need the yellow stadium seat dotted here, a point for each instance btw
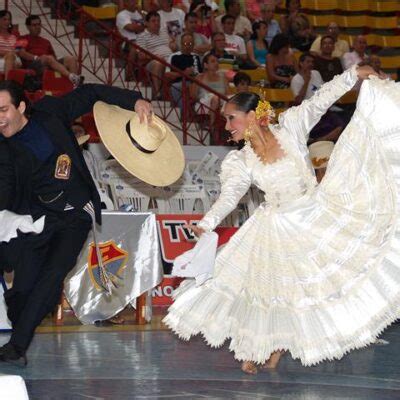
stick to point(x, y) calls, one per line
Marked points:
point(101, 12)
point(354, 5)
point(276, 95)
point(319, 5)
point(390, 62)
point(385, 6)
point(256, 74)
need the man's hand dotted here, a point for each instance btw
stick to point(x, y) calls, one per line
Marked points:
point(144, 109)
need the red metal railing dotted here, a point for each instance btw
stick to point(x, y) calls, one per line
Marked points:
point(97, 47)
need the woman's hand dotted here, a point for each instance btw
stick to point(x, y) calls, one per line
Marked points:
point(195, 229)
point(365, 71)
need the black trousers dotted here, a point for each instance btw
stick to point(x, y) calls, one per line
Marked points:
point(44, 260)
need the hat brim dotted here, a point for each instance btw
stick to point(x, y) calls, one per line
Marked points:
point(161, 168)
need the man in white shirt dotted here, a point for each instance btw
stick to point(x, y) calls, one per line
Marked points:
point(173, 19)
point(234, 43)
point(341, 46)
point(303, 85)
point(242, 24)
point(358, 55)
point(130, 23)
point(156, 41)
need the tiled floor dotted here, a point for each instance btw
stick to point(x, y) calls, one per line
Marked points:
point(126, 363)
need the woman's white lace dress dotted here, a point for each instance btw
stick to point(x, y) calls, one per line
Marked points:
point(316, 269)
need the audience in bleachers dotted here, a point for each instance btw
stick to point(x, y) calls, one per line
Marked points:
point(242, 23)
point(37, 53)
point(187, 61)
point(214, 79)
point(303, 85)
point(341, 46)
point(171, 18)
point(234, 44)
point(218, 45)
point(157, 42)
point(358, 55)
point(201, 43)
point(242, 82)
point(205, 18)
point(281, 63)
point(325, 63)
point(8, 43)
point(257, 46)
point(267, 15)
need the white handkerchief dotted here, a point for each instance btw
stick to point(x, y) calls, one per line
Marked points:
point(198, 262)
point(11, 222)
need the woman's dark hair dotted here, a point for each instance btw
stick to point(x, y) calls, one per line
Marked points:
point(287, 4)
point(279, 41)
point(3, 13)
point(241, 77)
point(195, 4)
point(245, 101)
point(16, 92)
point(255, 27)
point(207, 57)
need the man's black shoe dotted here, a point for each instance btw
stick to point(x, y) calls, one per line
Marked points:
point(8, 353)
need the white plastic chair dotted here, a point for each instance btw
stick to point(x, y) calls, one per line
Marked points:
point(185, 199)
point(129, 195)
point(105, 199)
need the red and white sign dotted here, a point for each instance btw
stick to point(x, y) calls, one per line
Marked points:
point(175, 240)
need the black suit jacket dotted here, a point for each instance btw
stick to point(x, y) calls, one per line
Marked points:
point(56, 115)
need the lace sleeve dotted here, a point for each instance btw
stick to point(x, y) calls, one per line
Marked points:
point(235, 182)
point(301, 119)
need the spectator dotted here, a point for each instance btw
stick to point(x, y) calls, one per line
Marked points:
point(303, 85)
point(171, 18)
point(325, 63)
point(234, 43)
point(292, 12)
point(267, 14)
point(186, 61)
point(281, 63)
point(205, 18)
point(8, 42)
point(156, 41)
point(254, 9)
point(340, 46)
point(218, 48)
point(130, 21)
point(358, 55)
point(201, 43)
point(242, 24)
point(37, 53)
point(217, 81)
point(257, 46)
point(242, 82)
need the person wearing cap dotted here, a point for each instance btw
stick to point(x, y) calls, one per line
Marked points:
point(43, 173)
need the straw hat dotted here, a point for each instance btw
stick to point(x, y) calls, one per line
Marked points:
point(151, 152)
point(320, 153)
point(83, 139)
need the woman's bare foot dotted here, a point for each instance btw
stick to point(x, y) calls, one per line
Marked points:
point(273, 361)
point(249, 367)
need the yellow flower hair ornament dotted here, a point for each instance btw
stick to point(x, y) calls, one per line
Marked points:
point(264, 113)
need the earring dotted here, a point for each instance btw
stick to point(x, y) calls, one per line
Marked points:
point(248, 133)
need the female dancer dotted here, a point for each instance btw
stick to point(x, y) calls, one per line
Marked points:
point(315, 270)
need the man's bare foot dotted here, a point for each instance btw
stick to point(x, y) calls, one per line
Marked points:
point(249, 367)
point(273, 361)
